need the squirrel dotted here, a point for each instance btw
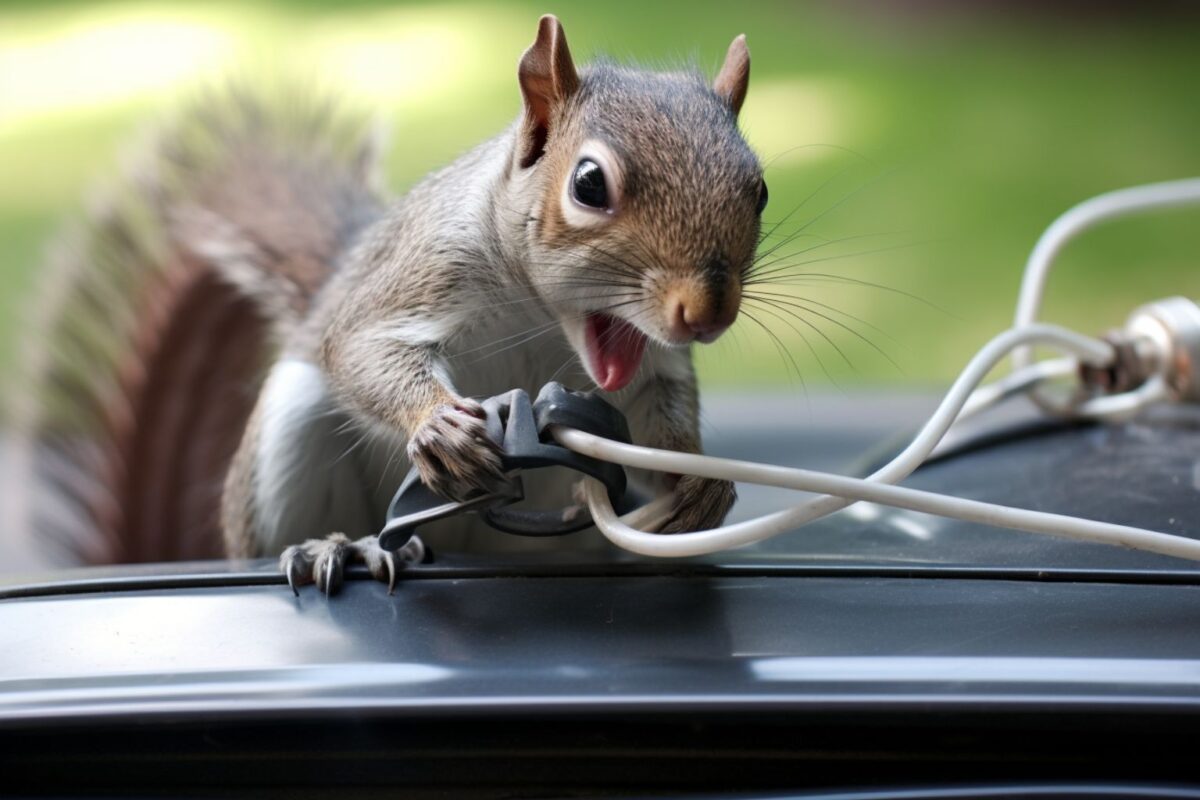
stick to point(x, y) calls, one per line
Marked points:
point(593, 241)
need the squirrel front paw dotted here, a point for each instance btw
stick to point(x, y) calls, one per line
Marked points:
point(453, 453)
point(700, 504)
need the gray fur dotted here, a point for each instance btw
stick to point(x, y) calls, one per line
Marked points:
point(480, 251)
point(475, 282)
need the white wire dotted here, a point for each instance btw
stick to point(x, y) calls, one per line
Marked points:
point(702, 542)
point(1019, 382)
point(1092, 351)
point(1088, 214)
point(837, 489)
point(964, 398)
point(1125, 405)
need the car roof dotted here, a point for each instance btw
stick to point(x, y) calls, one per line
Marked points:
point(725, 639)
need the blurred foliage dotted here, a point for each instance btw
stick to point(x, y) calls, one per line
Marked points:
point(921, 147)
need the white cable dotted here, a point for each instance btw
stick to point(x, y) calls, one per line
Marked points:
point(1019, 382)
point(840, 489)
point(964, 398)
point(1089, 350)
point(1125, 405)
point(703, 542)
point(1088, 214)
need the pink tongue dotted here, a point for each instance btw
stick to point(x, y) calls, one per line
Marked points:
point(615, 349)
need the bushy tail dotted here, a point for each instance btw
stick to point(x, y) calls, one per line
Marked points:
point(158, 313)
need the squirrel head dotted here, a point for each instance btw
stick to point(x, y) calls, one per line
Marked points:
point(643, 199)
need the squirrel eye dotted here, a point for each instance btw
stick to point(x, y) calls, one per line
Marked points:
point(588, 185)
point(762, 198)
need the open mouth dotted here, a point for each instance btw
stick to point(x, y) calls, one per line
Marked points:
point(614, 350)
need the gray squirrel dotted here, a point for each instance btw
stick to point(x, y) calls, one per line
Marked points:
point(592, 242)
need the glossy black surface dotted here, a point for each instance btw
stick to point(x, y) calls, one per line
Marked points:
point(568, 643)
point(873, 647)
point(580, 686)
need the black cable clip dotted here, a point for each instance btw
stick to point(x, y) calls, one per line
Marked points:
point(521, 429)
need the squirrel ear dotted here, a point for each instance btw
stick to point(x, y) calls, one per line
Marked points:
point(731, 82)
point(548, 78)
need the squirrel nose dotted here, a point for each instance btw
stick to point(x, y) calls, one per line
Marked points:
point(702, 306)
point(694, 320)
point(704, 327)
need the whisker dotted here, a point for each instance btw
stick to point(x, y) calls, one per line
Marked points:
point(780, 316)
point(808, 278)
point(836, 257)
point(770, 231)
point(783, 351)
point(570, 359)
point(533, 333)
point(758, 264)
point(844, 327)
point(792, 299)
point(575, 356)
point(849, 150)
point(634, 269)
point(822, 214)
point(492, 305)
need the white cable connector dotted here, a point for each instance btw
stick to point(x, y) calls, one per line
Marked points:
point(1169, 334)
point(1163, 337)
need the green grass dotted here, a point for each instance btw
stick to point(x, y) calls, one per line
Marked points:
point(962, 139)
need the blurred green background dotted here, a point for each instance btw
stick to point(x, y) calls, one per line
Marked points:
point(929, 142)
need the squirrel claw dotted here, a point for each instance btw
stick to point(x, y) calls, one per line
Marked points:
point(452, 451)
point(323, 561)
point(293, 576)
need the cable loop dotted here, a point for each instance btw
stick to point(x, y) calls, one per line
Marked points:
point(1118, 378)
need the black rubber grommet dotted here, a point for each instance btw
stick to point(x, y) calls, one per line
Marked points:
point(521, 430)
